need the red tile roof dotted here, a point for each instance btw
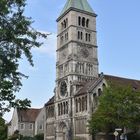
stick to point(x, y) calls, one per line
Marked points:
point(28, 115)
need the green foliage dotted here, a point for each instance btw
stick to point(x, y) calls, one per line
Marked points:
point(133, 136)
point(17, 38)
point(27, 138)
point(3, 129)
point(39, 137)
point(13, 137)
point(118, 107)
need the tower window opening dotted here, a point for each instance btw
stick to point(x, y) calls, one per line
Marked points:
point(79, 21)
point(87, 23)
point(61, 39)
point(81, 35)
point(86, 36)
point(83, 22)
point(89, 37)
point(65, 24)
point(78, 35)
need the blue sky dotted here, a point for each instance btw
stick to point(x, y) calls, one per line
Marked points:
point(118, 35)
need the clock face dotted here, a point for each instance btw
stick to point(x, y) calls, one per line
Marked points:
point(63, 88)
point(84, 52)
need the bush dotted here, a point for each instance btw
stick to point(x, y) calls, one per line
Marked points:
point(133, 136)
point(39, 137)
point(27, 138)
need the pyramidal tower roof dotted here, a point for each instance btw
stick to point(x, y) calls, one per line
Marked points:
point(80, 5)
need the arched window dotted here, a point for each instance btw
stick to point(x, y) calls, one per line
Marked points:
point(61, 109)
point(81, 35)
point(83, 103)
point(78, 35)
point(87, 23)
point(99, 92)
point(66, 107)
point(95, 100)
point(86, 103)
point(58, 109)
point(79, 21)
point(76, 102)
point(89, 37)
point(80, 105)
point(86, 36)
point(83, 22)
point(83, 68)
point(66, 22)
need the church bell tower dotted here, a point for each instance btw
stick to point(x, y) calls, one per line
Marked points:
point(77, 60)
point(68, 111)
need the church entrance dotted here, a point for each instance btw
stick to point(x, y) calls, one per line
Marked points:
point(63, 132)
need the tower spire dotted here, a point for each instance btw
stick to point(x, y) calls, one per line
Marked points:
point(80, 5)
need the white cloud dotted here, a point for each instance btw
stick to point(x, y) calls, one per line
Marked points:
point(49, 45)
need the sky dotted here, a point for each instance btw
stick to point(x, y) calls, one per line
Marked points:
point(118, 37)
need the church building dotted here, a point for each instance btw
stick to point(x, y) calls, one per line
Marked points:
point(78, 82)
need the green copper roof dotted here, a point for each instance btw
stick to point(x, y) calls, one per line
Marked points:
point(77, 4)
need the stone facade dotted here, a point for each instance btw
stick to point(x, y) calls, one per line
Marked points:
point(78, 83)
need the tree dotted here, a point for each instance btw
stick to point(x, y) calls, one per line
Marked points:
point(17, 38)
point(3, 129)
point(119, 107)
